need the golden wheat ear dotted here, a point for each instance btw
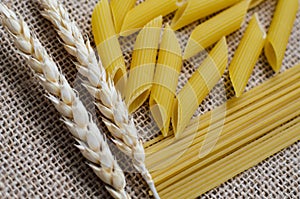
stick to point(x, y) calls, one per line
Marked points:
point(91, 142)
point(108, 99)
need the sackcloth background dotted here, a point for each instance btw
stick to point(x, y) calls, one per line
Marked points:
point(37, 154)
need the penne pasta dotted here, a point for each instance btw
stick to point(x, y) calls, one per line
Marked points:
point(143, 64)
point(108, 45)
point(255, 3)
point(119, 9)
point(193, 10)
point(215, 28)
point(137, 17)
point(247, 55)
point(198, 86)
point(279, 32)
point(165, 80)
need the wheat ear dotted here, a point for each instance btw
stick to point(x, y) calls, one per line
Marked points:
point(108, 100)
point(91, 142)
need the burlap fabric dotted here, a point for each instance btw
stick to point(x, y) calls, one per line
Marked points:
point(37, 156)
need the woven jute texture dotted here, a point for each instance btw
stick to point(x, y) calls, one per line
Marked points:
point(37, 154)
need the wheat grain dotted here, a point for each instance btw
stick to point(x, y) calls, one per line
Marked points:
point(91, 142)
point(108, 100)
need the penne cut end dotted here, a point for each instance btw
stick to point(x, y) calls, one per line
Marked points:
point(246, 55)
point(119, 10)
point(140, 15)
point(198, 86)
point(255, 3)
point(220, 25)
point(165, 80)
point(279, 32)
point(107, 43)
point(143, 64)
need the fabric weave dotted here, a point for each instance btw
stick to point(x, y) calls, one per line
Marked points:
point(37, 155)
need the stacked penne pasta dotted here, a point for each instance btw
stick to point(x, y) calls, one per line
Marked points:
point(157, 60)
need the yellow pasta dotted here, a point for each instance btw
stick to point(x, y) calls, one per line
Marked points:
point(108, 45)
point(215, 28)
point(255, 3)
point(119, 9)
point(143, 64)
point(279, 32)
point(137, 17)
point(165, 80)
point(198, 86)
point(247, 55)
point(193, 10)
point(255, 117)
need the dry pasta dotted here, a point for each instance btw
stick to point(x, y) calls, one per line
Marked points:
point(247, 55)
point(255, 3)
point(262, 111)
point(119, 9)
point(143, 64)
point(221, 25)
point(193, 10)
point(279, 32)
point(198, 86)
point(165, 79)
point(108, 45)
point(137, 17)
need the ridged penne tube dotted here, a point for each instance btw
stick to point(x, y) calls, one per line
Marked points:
point(193, 10)
point(137, 17)
point(255, 3)
point(119, 9)
point(143, 64)
point(107, 43)
point(215, 28)
point(279, 32)
point(198, 86)
point(165, 80)
point(247, 55)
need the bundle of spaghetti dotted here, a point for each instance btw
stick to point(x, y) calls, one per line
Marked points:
point(165, 79)
point(279, 32)
point(220, 25)
point(232, 132)
point(236, 107)
point(119, 9)
point(143, 64)
point(140, 15)
point(198, 86)
point(246, 55)
point(248, 118)
point(236, 162)
point(107, 44)
point(91, 142)
point(193, 10)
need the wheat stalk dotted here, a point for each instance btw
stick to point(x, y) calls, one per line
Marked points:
point(108, 100)
point(91, 142)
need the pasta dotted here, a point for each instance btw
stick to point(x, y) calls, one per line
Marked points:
point(255, 3)
point(279, 32)
point(143, 64)
point(193, 10)
point(221, 25)
point(108, 45)
point(247, 55)
point(137, 17)
point(198, 86)
point(259, 112)
point(119, 9)
point(165, 80)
